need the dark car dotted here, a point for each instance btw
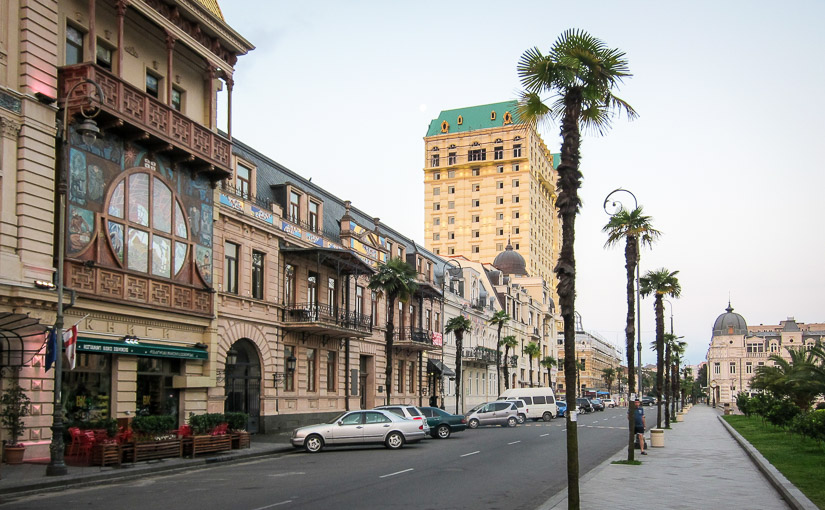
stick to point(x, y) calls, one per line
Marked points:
point(562, 406)
point(443, 424)
point(597, 403)
point(584, 405)
point(648, 401)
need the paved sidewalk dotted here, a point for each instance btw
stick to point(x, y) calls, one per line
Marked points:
point(700, 466)
point(31, 475)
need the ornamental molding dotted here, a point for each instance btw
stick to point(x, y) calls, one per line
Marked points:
point(9, 128)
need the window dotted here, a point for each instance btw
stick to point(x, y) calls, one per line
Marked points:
point(289, 380)
point(312, 288)
point(242, 178)
point(435, 160)
point(500, 232)
point(498, 152)
point(257, 275)
point(152, 85)
point(451, 174)
point(374, 308)
point(312, 369)
point(732, 367)
point(411, 378)
point(516, 215)
point(500, 216)
point(451, 158)
point(436, 236)
point(451, 190)
point(748, 367)
point(451, 205)
point(331, 301)
point(500, 169)
point(756, 347)
point(177, 99)
point(294, 207)
point(313, 216)
point(451, 250)
point(476, 218)
point(716, 368)
point(774, 347)
point(515, 183)
point(500, 184)
point(515, 199)
point(515, 168)
point(74, 45)
point(476, 187)
point(476, 233)
point(515, 230)
point(450, 235)
point(331, 372)
point(477, 155)
point(437, 324)
point(499, 247)
point(451, 220)
point(517, 150)
point(499, 200)
point(289, 284)
point(104, 56)
point(437, 176)
point(436, 191)
point(230, 278)
point(359, 300)
point(476, 203)
point(437, 206)
point(476, 249)
point(400, 370)
point(476, 172)
point(437, 221)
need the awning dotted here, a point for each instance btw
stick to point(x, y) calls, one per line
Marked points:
point(441, 368)
point(21, 337)
point(139, 349)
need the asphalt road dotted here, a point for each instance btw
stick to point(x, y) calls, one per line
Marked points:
point(488, 468)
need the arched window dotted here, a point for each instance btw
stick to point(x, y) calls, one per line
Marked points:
point(146, 226)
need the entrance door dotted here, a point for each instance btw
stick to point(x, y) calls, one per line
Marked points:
point(243, 384)
point(362, 381)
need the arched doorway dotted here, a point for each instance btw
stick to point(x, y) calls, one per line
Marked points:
point(243, 383)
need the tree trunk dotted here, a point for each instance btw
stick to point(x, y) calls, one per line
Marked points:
point(667, 385)
point(660, 356)
point(498, 361)
point(389, 341)
point(631, 251)
point(507, 367)
point(459, 342)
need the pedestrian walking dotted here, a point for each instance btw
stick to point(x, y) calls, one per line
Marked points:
point(639, 415)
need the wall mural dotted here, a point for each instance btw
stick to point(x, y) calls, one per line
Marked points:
point(133, 210)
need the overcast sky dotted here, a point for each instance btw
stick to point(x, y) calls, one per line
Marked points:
point(726, 155)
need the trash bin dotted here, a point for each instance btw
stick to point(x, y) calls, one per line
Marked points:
point(680, 417)
point(727, 408)
point(657, 438)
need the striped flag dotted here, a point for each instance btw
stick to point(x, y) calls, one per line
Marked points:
point(70, 342)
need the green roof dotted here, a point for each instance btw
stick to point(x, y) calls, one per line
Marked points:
point(556, 159)
point(473, 118)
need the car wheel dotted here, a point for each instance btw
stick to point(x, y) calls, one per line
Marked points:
point(395, 440)
point(521, 419)
point(512, 421)
point(547, 416)
point(443, 431)
point(473, 424)
point(313, 444)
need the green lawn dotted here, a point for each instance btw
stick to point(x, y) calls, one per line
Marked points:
point(798, 458)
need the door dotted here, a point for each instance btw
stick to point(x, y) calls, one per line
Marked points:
point(376, 426)
point(243, 384)
point(349, 429)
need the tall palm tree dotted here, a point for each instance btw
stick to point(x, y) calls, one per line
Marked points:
point(637, 230)
point(660, 283)
point(677, 349)
point(798, 379)
point(609, 375)
point(458, 325)
point(499, 319)
point(580, 74)
point(396, 280)
point(532, 350)
point(509, 342)
point(549, 362)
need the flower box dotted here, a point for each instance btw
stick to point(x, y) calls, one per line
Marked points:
point(104, 454)
point(240, 440)
point(195, 445)
point(152, 450)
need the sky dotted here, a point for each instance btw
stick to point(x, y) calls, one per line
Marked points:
point(724, 155)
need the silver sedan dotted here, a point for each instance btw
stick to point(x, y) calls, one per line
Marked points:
point(360, 427)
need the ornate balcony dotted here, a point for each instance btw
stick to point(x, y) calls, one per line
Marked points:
point(138, 116)
point(479, 354)
point(320, 319)
point(415, 339)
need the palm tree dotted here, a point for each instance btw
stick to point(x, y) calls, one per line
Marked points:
point(636, 229)
point(458, 325)
point(609, 375)
point(509, 342)
point(580, 74)
point(396, 280)
point(677, 349)
point(549, 362)
point(579, 368)
point(660, 283)
point(499, 319)
point(532, 350)
point(799, 379)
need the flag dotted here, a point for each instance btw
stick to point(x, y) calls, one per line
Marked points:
point(70, 342)
point(51, 350)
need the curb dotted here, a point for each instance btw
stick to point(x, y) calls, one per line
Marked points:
point(562, 494)
point(793, 496)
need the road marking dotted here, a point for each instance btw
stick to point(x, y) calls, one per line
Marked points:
point(471, 453)
point(544, 435)
point(274, 505)
point(605, 419)
point(514, 442)
point(396, 473)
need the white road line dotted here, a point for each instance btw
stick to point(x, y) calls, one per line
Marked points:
point(471, 453)
point(396, 473)
point(514, 442)
point(544, 435)
point(605, 419)
point(274, 505)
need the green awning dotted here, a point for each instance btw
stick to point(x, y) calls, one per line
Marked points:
point(139, 349)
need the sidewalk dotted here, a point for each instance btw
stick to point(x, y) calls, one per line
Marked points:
point(31, 475)
point(701, 466)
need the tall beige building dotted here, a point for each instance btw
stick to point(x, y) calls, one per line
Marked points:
point(489, 181)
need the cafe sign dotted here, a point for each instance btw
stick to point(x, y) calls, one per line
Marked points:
point(139, 349)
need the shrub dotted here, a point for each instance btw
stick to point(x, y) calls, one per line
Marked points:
point(811, 425)
point(14, 406)
point(743, 402)
point(204, 423)
point(237, 421)
point(782, 412)
point(153, 426)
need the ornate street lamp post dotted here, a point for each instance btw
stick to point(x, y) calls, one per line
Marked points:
point(614, 208)
point(89, 131)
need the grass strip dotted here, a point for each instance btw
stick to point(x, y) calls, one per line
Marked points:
point(798, 458)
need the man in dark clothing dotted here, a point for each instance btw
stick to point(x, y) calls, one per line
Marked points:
point(639, 426)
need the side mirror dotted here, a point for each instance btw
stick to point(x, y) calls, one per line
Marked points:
point(340, 423)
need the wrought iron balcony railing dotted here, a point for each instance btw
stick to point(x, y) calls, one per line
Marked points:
point(414, 335)
point(327, 315)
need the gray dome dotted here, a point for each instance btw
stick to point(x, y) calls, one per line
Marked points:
point(510, 262)
point(730, 324)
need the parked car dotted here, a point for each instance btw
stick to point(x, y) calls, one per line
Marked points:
point(411, 412)
point(648, 401)
point(523, 410)
point(499, 412)
point(584, 405)
point(597, 404)
point(360, 427)
point(562, 407)
point(541, 402)
point(443, 424)
point(609, 402)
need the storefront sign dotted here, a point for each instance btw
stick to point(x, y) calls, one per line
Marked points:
point(139, 349)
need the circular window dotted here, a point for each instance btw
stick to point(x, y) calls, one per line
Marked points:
point(508, 119)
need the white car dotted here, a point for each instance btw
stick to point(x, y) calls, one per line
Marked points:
point(609, 402)
point(410, 412)
point(360, 427)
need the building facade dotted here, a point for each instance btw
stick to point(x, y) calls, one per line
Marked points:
point(736, 350)
point(490, 181)
point(594, 354)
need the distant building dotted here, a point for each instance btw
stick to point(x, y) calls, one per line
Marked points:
point(737, 350)
point(595, 354)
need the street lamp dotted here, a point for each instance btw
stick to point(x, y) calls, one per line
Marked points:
point(89, 132)
point(615, 207)
point(457, 274)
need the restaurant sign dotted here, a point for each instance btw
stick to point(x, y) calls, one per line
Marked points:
point(139, 349)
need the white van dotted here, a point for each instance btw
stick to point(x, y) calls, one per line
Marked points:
point(541, 402)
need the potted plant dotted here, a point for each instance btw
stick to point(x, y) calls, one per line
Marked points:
point(14, 405)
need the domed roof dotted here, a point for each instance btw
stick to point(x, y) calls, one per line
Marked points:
point(730, 324)
point(510, 262)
